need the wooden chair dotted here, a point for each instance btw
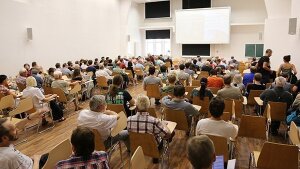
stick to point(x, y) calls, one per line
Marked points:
point(196, 83)
point(214, 90)
point(47, 90)
point(276, 111)
point(153, 91)
point(252, 94)
point(168, 64)
point(139, 72)
point(21, 86)
point(129, 73)
point(183, 82)
point(99, 142)
point(238, 109)
point(64, 77)
point(7, 102)
point(204, 74)
point(268, 85)
point(275, 156)
point(203, 103)
point(253, 127)
point(189, 90)
point(62, 98)
point(221, 146)
point(61, 152)
point(177, 116)
point(152, 112)
point(137, 160)
point(23, 106)
point(102, 82)
point(294, 134)
point(116, 107)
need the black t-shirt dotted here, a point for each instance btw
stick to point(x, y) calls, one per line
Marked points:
point(252, 86)
point(122, 97)
point(260, 65)
point(298, 86)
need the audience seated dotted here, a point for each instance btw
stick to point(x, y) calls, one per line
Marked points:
point(4, 87)
point(256, 85)
point(214, 80)
point(84, 154)
point(206, 67)
point(102, 72)
point(163, 75)
point(248, 77)
point(188, 69)
point(182, 75)
point(237, 82)
point(38, 78)
point(201, 146)
point(49, 78)
point(169, 89)
point(65, 70)
point(215, 125)
point(202, 91)
point(102, 120)
point(152, 79)
point(180, 103)
point(21, 79)
point(287, 86)
point(229, 92)
point(117, 95)
point(27, 67)
point(76, 76)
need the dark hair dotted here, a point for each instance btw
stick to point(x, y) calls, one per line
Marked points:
point(171, 78)
point(216, 107)
point(195, 61)
point(227, 79)
point(51, 70)
point(26, 64)
point(76, 73)
point(2, 78)
point(90, 62)
point(257, 77)
point(268, 50)
point(116, 82)
point(83, 141)
point(64, 65)
point(33, 64)
point(3, 130)
point(203, 83)
point(129, 65)
point(151, 70)
point(213, 72)
point(84, 61)
point(252, 69)
point(163, 69)
point(57, 65)
point(181, 66)
point(187, 65)
point(70, 63)
point(179, 91)
point(287, 58)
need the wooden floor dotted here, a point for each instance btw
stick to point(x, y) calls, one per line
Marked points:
point(43, 143)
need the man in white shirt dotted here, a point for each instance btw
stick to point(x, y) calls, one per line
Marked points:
point(102, 72)
point(215, 125)
point(102, 120)
point(10, 158)
point(106, 69)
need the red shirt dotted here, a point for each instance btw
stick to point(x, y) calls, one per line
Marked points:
point(215, 81)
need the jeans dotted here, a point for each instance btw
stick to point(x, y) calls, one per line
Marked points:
point(122, 136)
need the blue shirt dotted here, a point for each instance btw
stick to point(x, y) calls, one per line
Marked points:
point(248, 78)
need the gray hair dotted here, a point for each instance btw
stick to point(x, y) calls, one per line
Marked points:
point(97, 101)
point(57, 74)
point(101, 66)
point(280, 81)
point(23, 70)
point(142, 103)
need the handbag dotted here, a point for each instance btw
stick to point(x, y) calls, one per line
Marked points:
point(295, 117)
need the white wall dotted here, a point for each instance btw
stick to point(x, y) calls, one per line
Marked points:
point(62, 30)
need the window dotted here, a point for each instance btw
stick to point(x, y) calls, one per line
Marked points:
point(254, 50)
point(158, 46)
point(159, 9)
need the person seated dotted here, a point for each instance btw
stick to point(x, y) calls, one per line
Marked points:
point(256, 85)
point(66, 71)
point(27, 67)
point(214, 80)
point(49, 78)
point(130, 67)
point(169, 89)
point(140, 65)
point(254, 61)
point(202, 91)
point(84, 154)
point(84, 65)
point(188, 69)
point(277, 95)
point(106, 68)
point(38, 78)
point(163, 75)
point(180, 103)
point(248, 77)
point(102, 120)
point(102, 72)
point(21, 79)
point(206, 67)
point(142, 122)
point(229, 92)
point(76, 76)
point(10, 157)
point(237, 82)
point(38, 98)
point(4, 90)
point(183, 76)
point(117, 95)
point(152, 79)
point(215, 125)
point(64, 85)
point(232, 70)
point(287, 86)
point(201, 146)
point(117, 69)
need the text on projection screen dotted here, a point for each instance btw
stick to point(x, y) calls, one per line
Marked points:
point(203, 26)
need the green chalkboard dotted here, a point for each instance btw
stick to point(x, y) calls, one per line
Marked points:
point(250, 50)
point(259, 50)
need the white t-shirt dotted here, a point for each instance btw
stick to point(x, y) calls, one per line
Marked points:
point(216, 127)
point(10, 158)
point(97, 120)
point(36, 95)
point(103, 73)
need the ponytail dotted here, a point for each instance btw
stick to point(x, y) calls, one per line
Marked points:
point(202, 91)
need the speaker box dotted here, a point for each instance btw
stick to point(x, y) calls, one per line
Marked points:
point(292, 26)
point(29, 34)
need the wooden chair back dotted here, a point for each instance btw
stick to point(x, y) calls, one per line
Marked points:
point(129, 73)
point(99, 143)
point(278, 156)
point(90, 74)
point(168, 64)
point(115, 73)
point(121, 124)
point(229, 106)
point(116, 107)
point(102, 81)
point(61, 95)
point(277, 111)
point(189, 90)
point(21, 86)
point(153, 91)
point(294, 134)
point(203, 103)
point(152, 112)
point(23, 106)
point(64, 77)
point(183, 82)
point(7, 102)
point(214, 90)
point(139, 71)
point(146, 141)
point(253, 127)
point(1, 95)
point(61, 152)
point(221, 146)
point(137, 160)
point(47, 90)
point(75, 89)
point(204, 74)
point(196, 83)
point(177, 116)
point(252, 94)
point(239, 108)
point(268, 85)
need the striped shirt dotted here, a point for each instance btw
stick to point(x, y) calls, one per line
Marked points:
point(142, 122)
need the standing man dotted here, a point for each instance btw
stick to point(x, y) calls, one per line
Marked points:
point(263, 67)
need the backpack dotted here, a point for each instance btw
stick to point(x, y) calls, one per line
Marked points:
point(295, 117)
